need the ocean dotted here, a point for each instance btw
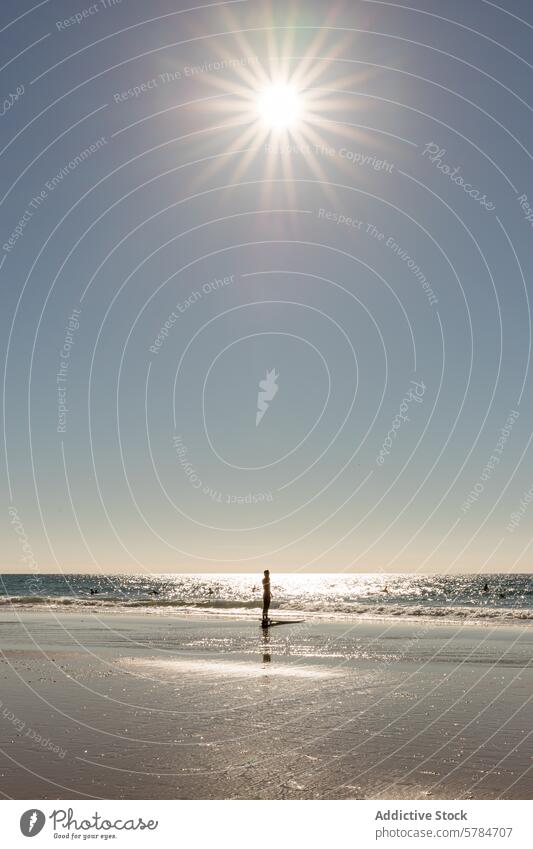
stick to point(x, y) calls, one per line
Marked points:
point(507, 598)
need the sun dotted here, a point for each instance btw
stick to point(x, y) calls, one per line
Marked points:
point(282, 111)
point(279, 106)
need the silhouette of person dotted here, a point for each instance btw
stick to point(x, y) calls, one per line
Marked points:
point(93, 591)
point(266, 597)
point(486, 588)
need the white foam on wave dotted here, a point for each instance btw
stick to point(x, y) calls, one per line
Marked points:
point(250, 609)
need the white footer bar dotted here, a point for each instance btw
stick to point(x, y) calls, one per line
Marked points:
point(263, 824)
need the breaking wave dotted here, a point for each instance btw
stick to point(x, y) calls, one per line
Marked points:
point(244, 609)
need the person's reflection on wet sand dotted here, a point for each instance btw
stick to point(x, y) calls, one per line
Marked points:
point(267, 657)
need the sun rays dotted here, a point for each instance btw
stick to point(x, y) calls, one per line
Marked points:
point(283, 109)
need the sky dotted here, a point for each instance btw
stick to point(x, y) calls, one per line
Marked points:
point(265, 275)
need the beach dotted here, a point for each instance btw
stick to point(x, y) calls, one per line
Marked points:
point(132, 705)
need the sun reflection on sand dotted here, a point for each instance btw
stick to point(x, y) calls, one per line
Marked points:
point(227, 668)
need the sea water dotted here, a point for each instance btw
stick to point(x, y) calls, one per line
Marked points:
point(497, 597)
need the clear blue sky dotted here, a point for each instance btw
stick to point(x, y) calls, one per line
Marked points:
point(163, 250)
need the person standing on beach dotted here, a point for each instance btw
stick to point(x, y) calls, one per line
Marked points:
point(266, 595)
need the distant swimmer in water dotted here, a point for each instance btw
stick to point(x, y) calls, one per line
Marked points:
point(93, 591)
point(486, 588)
point(154, 592)
point(210, 591)
point(385, 589)
point(501, 595)
point(266, 596)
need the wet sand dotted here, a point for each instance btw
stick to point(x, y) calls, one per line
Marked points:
point(154, 706)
